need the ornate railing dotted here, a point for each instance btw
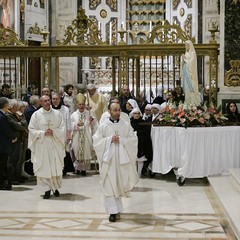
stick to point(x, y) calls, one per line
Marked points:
point(82, 39)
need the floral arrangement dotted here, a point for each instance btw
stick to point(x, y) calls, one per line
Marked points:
point(190, 116)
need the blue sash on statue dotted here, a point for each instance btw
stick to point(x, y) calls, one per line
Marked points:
point(185, 73)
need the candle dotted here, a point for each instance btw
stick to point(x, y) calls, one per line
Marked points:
point(122, 25)
point(150, 27)
point(99, 27)
point(110, 32)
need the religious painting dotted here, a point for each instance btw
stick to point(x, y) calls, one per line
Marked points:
point(7, 13)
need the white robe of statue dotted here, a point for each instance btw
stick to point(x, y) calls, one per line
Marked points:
point(189, 76)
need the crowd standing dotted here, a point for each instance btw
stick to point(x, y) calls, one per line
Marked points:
point(67, 131)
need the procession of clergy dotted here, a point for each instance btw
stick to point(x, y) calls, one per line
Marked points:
point(67, 132)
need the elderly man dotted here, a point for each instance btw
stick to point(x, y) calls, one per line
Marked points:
point(96, 102)
point(46, 91)
point(6, 140)
point(115, 144)
point(34, 104)
point(19, 131)
point(46, 141)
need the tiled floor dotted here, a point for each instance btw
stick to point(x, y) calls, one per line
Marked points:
point(157, 209)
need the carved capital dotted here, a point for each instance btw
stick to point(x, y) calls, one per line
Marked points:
point(232, 77)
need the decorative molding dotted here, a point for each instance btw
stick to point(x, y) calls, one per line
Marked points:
point(9, 37)
point(93, 4)
point(113, 5)
point(167, 33)
point(232, 77)
point(188, 25)
point(188, 3)
point(34, 30)
point(175, 4)
point(22, 10)
point(82, 31)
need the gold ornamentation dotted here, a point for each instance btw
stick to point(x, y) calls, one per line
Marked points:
point(213, 28)
point(103, 13)
point(9, 37)
point(232, 77)
point(188, 3)
point(34, 30)
point(83, 31)
point(188, 25)
point(93, 4)
point(175, 4)
point(44, 33)
point(22, 10)
point(112, 4)
point(182, 12)
point(80, 98)
point(167, 33)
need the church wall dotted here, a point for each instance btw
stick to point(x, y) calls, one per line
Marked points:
point(36, 14)
point(228, 92)
point(66, 11)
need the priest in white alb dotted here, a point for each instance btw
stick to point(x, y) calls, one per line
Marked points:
point(47, 144)
point(115, 144)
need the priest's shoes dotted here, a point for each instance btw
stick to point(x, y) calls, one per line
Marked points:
point(181, 180)
point(83, 173)
point(6, 187)
point(56, 193)
point(113, 218)
point(47, 195)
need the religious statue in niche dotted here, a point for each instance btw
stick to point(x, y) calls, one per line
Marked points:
point(7, 13)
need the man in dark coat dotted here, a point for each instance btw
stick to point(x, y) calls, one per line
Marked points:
point(34, 104)
point(6, 140)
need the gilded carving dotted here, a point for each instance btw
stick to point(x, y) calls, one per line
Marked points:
point(182, 12)
point(103, 13)
point(82, 31)
point(175, 4)
point(93, 4)
point(188, 3)
point(188, 25)
point(9, 37)
point(232, 77)
point(34, 30)
point(167, 33)
point(112, 4)
point(22, 10)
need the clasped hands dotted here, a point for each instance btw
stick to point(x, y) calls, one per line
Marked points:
point(49, 132)
point(115, 139)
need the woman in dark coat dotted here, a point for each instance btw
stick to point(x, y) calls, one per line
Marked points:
point(232, 113)
point(144, 139)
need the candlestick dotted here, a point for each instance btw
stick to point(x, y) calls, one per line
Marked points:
point(110, 33)
point(99, 27)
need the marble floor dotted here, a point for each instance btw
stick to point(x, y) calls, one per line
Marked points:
point(157, 209)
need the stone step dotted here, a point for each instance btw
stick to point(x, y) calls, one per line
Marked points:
point(235, 174)
point(227, 188)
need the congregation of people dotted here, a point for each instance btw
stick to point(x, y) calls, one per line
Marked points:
point(47, 135)
point(68, 131)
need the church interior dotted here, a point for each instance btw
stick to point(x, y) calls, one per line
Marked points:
point(138, 43)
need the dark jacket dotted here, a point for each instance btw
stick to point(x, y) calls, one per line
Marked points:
point(6, 134)
point(29, 112)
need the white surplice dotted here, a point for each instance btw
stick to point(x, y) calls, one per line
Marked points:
point(117, 162)
point(47, 152)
